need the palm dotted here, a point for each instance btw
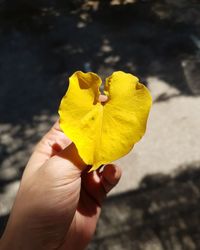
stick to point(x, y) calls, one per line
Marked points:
point(88, 191)
point(59, 202)
point(84, 222)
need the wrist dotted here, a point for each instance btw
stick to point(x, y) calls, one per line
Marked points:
point(7, 243)
point(11, 238)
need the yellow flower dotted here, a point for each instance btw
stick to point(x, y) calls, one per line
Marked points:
point(103, 133)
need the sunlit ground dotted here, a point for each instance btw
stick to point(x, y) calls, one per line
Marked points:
point(155, 205)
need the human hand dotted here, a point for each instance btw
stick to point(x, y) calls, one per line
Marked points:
point(58, 203)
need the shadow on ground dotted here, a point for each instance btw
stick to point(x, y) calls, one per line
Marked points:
point(41, 45)
point(162, 214)
point(43, 42)
point(3, 222)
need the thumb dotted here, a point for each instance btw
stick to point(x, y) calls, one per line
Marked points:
point(66, 162)
point(70, 154)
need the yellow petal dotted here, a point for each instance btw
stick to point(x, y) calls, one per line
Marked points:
point(78, 112)
point(103, 133)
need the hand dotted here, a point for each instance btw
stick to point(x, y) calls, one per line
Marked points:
point(58, 202)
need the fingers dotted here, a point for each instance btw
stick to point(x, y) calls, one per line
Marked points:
point(51, 143)
point(110, 177)
point(103, 98)
point(98, 184)
point(54, 140)
point(56, 126)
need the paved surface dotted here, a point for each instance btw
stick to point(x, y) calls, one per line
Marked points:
point(171, 139)
point(162, 174)
point(157, 40)
point(161, 214)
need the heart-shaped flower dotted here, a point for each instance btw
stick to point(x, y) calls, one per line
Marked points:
point(104, 132)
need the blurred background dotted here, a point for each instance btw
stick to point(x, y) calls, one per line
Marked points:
point(156, 204)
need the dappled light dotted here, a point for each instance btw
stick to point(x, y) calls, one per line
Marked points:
point(43, 42)
point(162, 213)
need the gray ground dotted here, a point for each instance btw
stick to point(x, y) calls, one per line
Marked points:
point(156, 204)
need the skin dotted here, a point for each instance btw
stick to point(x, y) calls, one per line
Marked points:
point(58, 203)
